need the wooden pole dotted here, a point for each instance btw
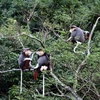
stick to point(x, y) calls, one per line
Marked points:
point(21, 81)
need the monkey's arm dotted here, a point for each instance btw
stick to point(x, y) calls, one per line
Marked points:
point(31, 56)
point(20, 59)
point(36, 66)
point(27, 59)
point(69, 39)
point(73, 34)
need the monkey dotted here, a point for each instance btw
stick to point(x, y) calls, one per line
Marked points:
point(77, 36)
point(43, 62)
point(25, 59)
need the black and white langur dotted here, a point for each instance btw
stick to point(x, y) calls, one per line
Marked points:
point(77, 36)
point(25, 59)
point(43, 63)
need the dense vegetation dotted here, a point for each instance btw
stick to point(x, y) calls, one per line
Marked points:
point(45, 24)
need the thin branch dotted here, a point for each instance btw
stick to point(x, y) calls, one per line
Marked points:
point(57, 35)
point(57, 94)
point(65, 86)
point(20, 41)
point(62, 95)
point(29, 35)
point(96, 91)
point(77, 71)
point(32, 13)
point(19, 38)
point(37, 91)
point(86, 92)
point(59, 90)
point(46, 32)
point(84, 84)
point(15, 70)
point(34, 38)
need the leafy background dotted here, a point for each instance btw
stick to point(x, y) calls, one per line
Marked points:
point(49, 18)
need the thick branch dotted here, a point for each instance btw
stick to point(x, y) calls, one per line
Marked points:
point(88, 52)
point(91, 35)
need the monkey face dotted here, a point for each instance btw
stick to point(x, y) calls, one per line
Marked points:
point(28, 53)
point(71, 30)
point(40, 53)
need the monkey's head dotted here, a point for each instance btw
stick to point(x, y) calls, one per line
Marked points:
point(72, 28)
point(27, 52)
point(40, 52)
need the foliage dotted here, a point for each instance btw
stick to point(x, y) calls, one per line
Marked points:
point(50, 19)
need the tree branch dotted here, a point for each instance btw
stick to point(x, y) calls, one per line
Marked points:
point(29, 35)
point(34, 38)
point(88, 50)
point(18, 33)
point(86, 92)
point(67, 87)
point(62, 95)
point(57, 35)
point(15, 70)
point(32, 13)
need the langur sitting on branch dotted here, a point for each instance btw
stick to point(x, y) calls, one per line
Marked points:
point(77, 36)
point(25, 59)
point(43, 63)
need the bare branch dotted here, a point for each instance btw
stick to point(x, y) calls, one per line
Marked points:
point(65, 86)
point(32, 13)
point(20, 41)
point(96, 91)
point(18, 33)
point(57, 94)
point(34, 38)
point(62, 95)
point(58, 35)
point(88, 50)
point(59, 90)
point(29, 35)
point(15, 70)
point(86, 92)
point(37, 91)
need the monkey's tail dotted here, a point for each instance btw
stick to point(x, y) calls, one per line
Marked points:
point(35, 75)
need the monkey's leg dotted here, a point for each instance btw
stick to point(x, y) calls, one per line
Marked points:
point(77, 44)
point(43, 84)
point(21, 82)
